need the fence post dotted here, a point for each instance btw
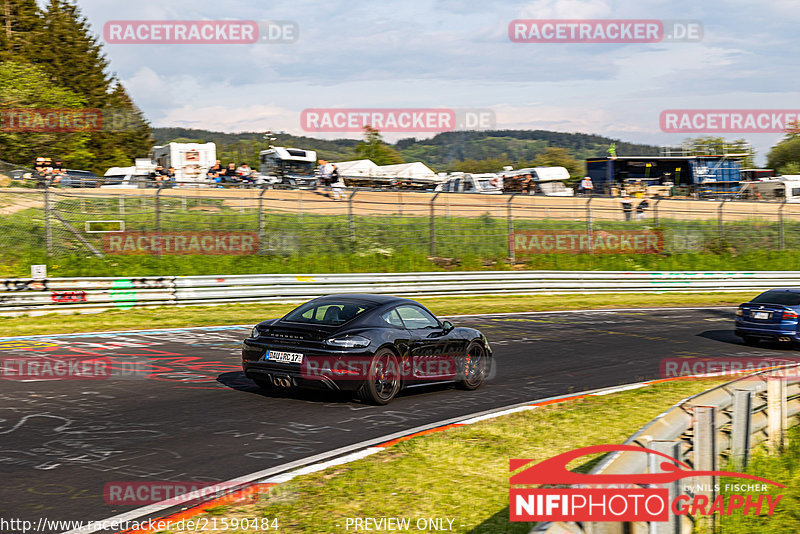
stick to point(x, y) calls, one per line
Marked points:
point(432, 237)
point(48, 224)
point(673, 450)
point(720, 228)
point(260, 220)
point(158, 217)
point(589, 218)
point(776, 412)
point(781, 241)
point(655, 211)
point(705, 457)
point(740, 427)
point(511, 254)
point(351, 218)
point(122, 204)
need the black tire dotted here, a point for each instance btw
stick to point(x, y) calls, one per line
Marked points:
point(473, 368)
point(264, 384)
point(750, 340)
point(383, 379)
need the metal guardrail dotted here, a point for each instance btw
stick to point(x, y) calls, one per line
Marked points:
point(18, 295)
point(722, 422)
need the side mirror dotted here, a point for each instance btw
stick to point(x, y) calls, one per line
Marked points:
point(447, 326)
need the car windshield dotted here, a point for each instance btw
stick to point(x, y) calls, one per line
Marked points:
point(327, 313)
point(784, 298)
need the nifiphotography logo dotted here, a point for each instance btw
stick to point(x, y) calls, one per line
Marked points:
point(624, 501)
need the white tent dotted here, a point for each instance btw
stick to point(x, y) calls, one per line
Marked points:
point(416, 170)
point(359, 167)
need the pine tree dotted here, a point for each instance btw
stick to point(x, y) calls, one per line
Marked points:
point(20, 20)
point(70, 53)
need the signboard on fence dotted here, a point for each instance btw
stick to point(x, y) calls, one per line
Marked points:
point(174, 243)
point(583, 242)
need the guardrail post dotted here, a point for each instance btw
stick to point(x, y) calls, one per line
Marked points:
point(511, 254)
point(261, 226)
point(741, 423)
point(776, 412)
point(48, 224)
point(705, 457)
point(673, 450)
point(781, 241)
point(351, 220)
point(432, 223)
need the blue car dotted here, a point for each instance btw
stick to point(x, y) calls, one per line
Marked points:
point(771, 316)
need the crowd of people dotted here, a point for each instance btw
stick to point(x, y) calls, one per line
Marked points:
point(231, 174)
point(48, 169)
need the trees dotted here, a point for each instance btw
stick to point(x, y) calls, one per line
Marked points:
point(375, 149)
point(785, 156)
point(59, 44)
point(27, 86)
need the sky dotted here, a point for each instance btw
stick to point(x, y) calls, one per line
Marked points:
point(458, 55)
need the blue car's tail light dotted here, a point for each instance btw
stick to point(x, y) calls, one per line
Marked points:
point(349, 342)
point(789, 314)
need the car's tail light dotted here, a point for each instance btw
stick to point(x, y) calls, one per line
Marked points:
point(739, 312)
point(349, 342)
point(788, 314)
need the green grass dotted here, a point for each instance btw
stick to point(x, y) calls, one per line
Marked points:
point(169, 317)
point(303, 243)
point(461, 473)
point(783, 468)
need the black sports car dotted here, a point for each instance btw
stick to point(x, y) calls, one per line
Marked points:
point(372, 345)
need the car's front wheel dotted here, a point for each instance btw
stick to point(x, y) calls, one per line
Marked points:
point(383, 379)
point(474, 367)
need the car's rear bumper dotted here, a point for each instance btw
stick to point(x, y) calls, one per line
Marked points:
point(335, 369)
point(767, 332)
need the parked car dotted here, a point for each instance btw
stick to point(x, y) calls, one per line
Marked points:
point(372, 345)
point(487, 183)
point(77, 178)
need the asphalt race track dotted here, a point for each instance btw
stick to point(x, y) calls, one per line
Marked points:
point(194, 417)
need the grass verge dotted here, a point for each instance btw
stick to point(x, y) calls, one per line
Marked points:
point(461, 473)
point(176, 317)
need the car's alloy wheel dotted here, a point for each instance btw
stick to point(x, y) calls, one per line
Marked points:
point(383, 379)
point(474, 367)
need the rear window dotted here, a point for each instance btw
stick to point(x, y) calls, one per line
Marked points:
point(326, 313)
point(784, 298)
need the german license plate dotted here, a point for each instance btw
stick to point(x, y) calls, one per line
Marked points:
point(760, 315)
point(283, 357)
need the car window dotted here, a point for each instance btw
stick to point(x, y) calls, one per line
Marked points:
point(328, 313)
point(415, 317)
point(391, 317)
point(785, 298)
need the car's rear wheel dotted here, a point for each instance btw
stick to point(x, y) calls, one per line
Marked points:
point(383, 379)
point(473, 367)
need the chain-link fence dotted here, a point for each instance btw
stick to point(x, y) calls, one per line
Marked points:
point(43, 225)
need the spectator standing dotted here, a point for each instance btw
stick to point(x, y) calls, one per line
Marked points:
point(337, 184)
point(587, 186)
point(641, 209)
point(627, 207)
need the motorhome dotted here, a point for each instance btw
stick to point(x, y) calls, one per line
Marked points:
point(190, 160)
point(486, 183)
point(782, 189)
point(291, 167)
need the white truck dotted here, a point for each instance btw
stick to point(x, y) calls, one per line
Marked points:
point(459, 182)
point(288, 167)
point(132, 177)
point(190, 160)
point(548, 181)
